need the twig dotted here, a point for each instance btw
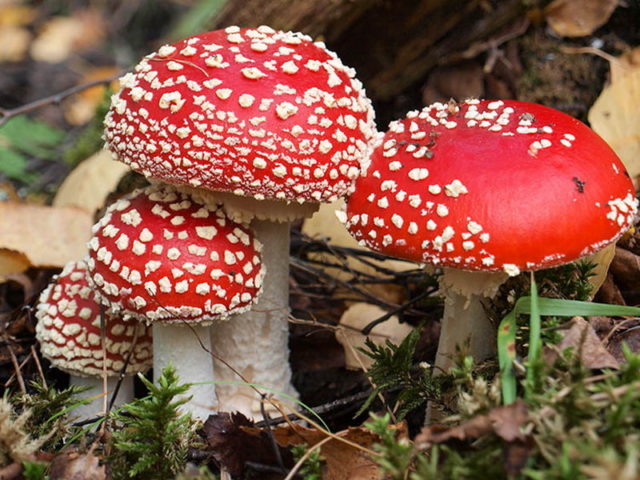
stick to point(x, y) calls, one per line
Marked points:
point(38, 366)
point(272, 439)
point(8, 113)
point(13, 375)
point(16, 367)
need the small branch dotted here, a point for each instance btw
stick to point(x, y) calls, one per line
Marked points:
point(7, 113)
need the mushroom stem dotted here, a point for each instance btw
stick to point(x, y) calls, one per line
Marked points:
point(256, 343)
point(95, 407)
point(188, 349)
point(464, 319)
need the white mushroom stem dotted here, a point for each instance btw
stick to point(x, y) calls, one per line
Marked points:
point(96, 406)
point(255, 343)
point(188, 349)
point(465, 320)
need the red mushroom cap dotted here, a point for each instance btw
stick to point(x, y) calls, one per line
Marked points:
point(255, 112)
point(159, 255)
point(491, 185)
point(68, 329)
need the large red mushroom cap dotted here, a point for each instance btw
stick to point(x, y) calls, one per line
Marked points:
point(255, 112)
point(493, 186)
point(68, 330)
point(159, 255)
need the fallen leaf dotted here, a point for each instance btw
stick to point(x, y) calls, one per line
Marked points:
point(234, 442)
point(15, 15)
point(459, 81)
point(76, 466)
point(582, 338)
point(342, 461)
point(506, 422)
point(324, 224)
point(62, 36)
point(354, 319)
point(578, 18)
point(602, 260)
point(46, 236)
point(12, 262)
point(615, 116)
point(89, 184)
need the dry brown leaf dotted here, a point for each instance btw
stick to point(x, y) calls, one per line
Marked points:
point(625, 63)
point(62, 36)
point(47, 236)
point(325, 224)
point(615, 116)
point(582, 338)
point(76, 466)
point(89, 184)
point(354, 319)
point(577, 18)
point(343, 462)
point(506, 422)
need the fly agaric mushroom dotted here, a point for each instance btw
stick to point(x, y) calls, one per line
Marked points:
point(271, 121)
point(161, 257)
point(69, 334)
point(486, 189)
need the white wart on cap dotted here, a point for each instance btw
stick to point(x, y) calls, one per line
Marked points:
point(68, 330)
point(158, 255)
point(253, 112)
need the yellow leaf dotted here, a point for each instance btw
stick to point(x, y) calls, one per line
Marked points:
point(615, 116)
point(88, 185)
point(46, 236)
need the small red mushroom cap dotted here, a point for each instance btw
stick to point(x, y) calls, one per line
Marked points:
point(256, 112)
point(493, 186)
point(160, 255)
point(68, 329)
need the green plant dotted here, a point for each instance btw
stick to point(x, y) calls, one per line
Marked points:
point(153, 439)
point(311, 469)
point(34, 470)
point(50, 410)
point(393, 370)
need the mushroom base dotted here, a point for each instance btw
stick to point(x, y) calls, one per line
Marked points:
point(188, 349)
point(256, 344)
point(465, 322)
point(96, 406)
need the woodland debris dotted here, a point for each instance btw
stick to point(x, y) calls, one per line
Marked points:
point(578, 18)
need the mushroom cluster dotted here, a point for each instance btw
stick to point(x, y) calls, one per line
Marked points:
point(486, 189)
point(270, 124)
point(70, 336)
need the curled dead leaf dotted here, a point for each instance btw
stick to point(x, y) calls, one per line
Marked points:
point(577, 18)
point(72, 465)
point(46, 236)
point(89, 184)
point(342, 461)
point(582, 338)
point(506, 422)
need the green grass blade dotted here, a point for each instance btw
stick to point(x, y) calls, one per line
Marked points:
point(533, 366)
point(506, 356)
